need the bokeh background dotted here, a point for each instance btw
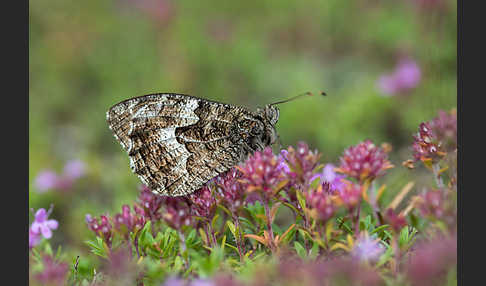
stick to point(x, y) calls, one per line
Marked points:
point(386, 65)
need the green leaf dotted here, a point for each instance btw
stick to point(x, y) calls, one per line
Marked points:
point(300, 249)
point(301, 200)
point(379, 229)
point(231, 227)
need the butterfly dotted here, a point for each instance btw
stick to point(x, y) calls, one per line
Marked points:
point(176, 143)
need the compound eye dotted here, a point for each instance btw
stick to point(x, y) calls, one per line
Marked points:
point(256, 130)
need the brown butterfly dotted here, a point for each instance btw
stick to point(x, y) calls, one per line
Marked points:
point(177, 143)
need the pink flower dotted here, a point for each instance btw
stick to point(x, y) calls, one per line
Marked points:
point(367, 249)
point(177, 212)
point(350, 195)
point(74, 169)
point(301, 162)
point(203, 203)
point(364, 161)
point(128, 221)
point(102, 227)
point(53, 273)
point(261, 173)
point(42, 225)
point(329, 175)
point(406, 76)
point(34, 238)
point(230, 190)
point(321, 203)
point(151, 203)
point(46, 180)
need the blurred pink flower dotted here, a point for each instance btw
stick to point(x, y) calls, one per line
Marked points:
point(42, 225)
point(49, 179)
point(53, 273)
point(34, 238)
point(74, 169)
point(46, 180)
point(203, 203)
point(367, 249)
point(406, 76)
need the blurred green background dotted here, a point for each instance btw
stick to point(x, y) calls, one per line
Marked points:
point(86, 56)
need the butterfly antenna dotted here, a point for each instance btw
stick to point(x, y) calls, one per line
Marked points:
point(298, 96)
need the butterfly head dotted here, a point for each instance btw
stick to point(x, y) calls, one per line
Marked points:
point(267, 135)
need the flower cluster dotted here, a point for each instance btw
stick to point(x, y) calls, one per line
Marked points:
point(444, 128)
point(49, 179)
point(230, 191)
point(404, 78)
point(350, 195)
point(41, 227)
point(425, 145)
point(364, 161)
point(436, 137)
point(151, 204)
point(261, 173)
point(127, 222)
point(321, 203)
point(430, 261)
point(177, 212)
point(301, 162)
point(102, 227)
point(203, 203)
point(53, 273)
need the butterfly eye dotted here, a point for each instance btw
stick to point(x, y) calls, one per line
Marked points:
point(256, 130)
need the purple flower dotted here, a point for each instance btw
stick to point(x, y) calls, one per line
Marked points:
point(444, 128)
point(34, 238)
point(151, 203)
point(175, 281)
point(53, 273)
point(329, 175)
point(130, 222)
point(74, 169)
point(301, 162)
point(396, 221)
point(177, 212)
point(101, 227)
point(229, 190)
point(49, 179)
point(406, 76)
point(42, 225)
point(46, 180)
point(425, 145)
point(320, 202)
point(367, 249)
point(203, 203)
point(364, 161)
point(261, 173)
point(431, 203)
point(350, 195)
point(430, 262)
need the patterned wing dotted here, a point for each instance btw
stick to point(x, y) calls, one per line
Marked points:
point(176, 143)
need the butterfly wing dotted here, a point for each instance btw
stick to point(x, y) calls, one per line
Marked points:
point(176, 143)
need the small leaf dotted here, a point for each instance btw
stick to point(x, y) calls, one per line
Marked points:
point(301, 200)
point(258, 238)
point(339, 245)
point(231, 227)
point(299, 249)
